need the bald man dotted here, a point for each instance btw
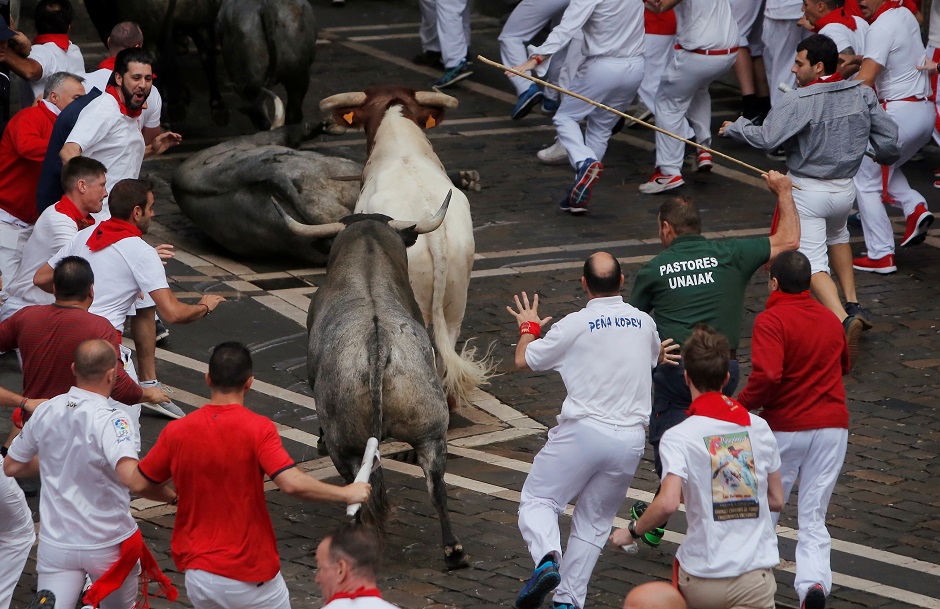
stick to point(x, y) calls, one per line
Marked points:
point(605, 354)
point(654, 595)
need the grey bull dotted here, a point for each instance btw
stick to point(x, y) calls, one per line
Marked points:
point(227, 191)
point(370, 362)
point(265, 42)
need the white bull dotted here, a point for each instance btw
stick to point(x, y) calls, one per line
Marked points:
point(403, 178)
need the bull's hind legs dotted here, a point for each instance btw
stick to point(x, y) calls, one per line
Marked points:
point(433, 459)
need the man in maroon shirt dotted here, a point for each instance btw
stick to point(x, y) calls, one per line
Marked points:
point(48, 335)
point(797, 382)
point(22, 149)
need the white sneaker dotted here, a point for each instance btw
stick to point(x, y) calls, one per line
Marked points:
point(167, 409)
point(661, 182)
point(554, 154)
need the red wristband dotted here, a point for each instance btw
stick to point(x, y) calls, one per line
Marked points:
point(530, 327)
point(18, 418)
point(538, 62)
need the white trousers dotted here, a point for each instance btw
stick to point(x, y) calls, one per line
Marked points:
point(610, 80)
point(525, 21)
point(683, 101)
point(594, 462)
point(934, 54)
point(133, 410)
point(780, 38)
point(746, 14)
point(453, 30)
point(62, 572)
point(815, 457)
point(823, 207)
point(657, 51)
point(915, 122)
point(17, 535)
point(12, 240)
point(210, 591)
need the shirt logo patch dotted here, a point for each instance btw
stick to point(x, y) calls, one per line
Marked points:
point(122, 427)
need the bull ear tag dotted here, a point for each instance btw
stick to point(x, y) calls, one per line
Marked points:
point(430, 122)
point(349, 117)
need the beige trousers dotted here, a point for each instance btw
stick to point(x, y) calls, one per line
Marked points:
point(751, 590)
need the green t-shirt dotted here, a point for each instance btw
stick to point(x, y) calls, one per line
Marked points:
point(699, 280)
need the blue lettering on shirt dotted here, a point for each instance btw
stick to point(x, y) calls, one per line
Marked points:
point(602, 323)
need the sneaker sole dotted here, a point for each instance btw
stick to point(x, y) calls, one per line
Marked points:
point(524, 110)
point(582, 190)
point(161, 410)
point(658, 188)
point(881, 271)
point(455, 79)
point(853, 334)
point(704, 167)
point(536, 596)
point(43, 598)
point(920, 232)
point(162, 335)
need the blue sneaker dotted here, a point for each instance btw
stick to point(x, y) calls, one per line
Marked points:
point(544, 579)
point(557, 605)
point(452, 75)
point(527, 101)
point(550, 106)
point(587, 175)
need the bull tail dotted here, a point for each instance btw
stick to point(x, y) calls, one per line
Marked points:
point(462, 372)
point(376, 509)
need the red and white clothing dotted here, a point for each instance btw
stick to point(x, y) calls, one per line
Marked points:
point(524, 23)
point(108, 135)
point(847, 31)
point(56, 227)
point(730, 528)
point(749, 15)
point(359, 602)
point(893, 42)
point(604, 353)
point(658, 43)
point(84, 509)
point(707, 41)
point(22, 150)
point(933, 52)
point(131, 266)
point(211, 591)
point(149, 117)
point(218, 457)
point(55, 53)
point(17, 535)
point(797, 382)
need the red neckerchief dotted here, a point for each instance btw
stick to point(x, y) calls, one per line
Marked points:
point(110, 232)
point(356, 594)
point(836, 77)
point(133, 549)
point(60, 40)
point(107, 64)
point(777, 296)
point(887, 6)
point(837, 16)
point(114, 93)
point(66, 207)
point(716, 405)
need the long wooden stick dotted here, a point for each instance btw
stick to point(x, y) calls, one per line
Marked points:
point(496, 64)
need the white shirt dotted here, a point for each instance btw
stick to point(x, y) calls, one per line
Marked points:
point(705, 24)
point(893, 41)
point(933, 30)
point(784, 9)
point(16, 518)
point(50, 234)
point(122, 271)
point(79, 439)
point(150, 117)
point(604, 353)
point(53, 59)
point(362, 602)
point(845, 38)
point(111, 138)
point(612, 28)
point(730, 529)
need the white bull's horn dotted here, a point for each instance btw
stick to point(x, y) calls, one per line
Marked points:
point(343, 100)
point(309, 231)
point(438, 100)
point(279, 114)
point(428, 224)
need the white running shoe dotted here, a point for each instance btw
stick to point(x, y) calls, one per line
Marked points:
point(554, 154)
point(167, 409)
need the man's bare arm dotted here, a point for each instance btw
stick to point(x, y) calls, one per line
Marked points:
point(69, 151)
point(787, 236)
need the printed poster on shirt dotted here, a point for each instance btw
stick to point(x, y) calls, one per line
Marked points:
point(734, 478)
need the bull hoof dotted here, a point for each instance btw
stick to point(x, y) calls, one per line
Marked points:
point(331, 127)
point(466, 180)
point(454, 557)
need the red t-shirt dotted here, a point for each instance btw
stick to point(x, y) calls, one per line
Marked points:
point(22, 150)
point(797, 373)
point(217, 458)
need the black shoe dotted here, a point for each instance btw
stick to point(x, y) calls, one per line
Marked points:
point(544, 579)
point(44, 599)
point(429, 58)
point(858, 312)
point(853, 332)
point(778, 154)
point(651, 538)
point(162, 330)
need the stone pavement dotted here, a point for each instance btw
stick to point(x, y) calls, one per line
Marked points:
point(884, 515)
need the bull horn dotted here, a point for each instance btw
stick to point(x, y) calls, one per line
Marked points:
point(343, 100)
point(309, 231)
point(279, 114)
point(428, 224)
point(433, 98)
